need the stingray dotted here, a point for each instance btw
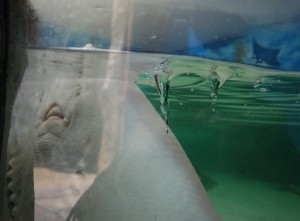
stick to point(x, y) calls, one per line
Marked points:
point(95, 120)
point(67, 127)
point(150, 177)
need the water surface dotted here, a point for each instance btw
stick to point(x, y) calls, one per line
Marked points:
point(239, 126)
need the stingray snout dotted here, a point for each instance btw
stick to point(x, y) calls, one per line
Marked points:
point(54, 112)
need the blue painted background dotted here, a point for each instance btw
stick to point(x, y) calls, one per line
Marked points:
point(210, 34)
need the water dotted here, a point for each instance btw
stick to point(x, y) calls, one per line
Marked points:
point(239, 126)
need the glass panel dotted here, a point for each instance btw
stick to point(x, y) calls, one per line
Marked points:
point(137, 110)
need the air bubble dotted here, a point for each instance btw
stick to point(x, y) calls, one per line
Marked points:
point(163, 84)
point(263, 89)
point(257, 83)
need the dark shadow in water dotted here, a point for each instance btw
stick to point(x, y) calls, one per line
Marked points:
point(207, 181)
point(291, 188)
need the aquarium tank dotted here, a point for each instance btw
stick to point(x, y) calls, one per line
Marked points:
point(135, 110)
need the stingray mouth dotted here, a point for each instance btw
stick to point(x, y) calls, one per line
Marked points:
point(53, 121)
point(54, 113)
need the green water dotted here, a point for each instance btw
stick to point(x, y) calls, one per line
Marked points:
point(235, 120)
